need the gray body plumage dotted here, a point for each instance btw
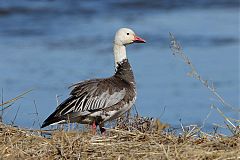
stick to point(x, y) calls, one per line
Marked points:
point(98, 100)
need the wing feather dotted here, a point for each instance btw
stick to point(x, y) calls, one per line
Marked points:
point(90, 96)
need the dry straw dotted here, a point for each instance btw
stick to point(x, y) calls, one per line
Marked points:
point(16, 143)
point(232, 124)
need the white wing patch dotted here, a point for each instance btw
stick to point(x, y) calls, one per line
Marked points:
point(90, 103)
point(110, 115)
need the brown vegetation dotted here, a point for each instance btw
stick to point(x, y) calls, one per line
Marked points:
point(19, 143)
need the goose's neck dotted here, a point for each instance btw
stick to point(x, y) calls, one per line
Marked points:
point(119, 54)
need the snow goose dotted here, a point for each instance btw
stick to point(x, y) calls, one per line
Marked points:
point(96, 101)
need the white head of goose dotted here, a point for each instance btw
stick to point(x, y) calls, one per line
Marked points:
point(96, 101)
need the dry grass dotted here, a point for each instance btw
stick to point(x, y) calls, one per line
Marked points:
point(231, 123)
point(19, 143)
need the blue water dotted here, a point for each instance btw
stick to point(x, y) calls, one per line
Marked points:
point(49, 45)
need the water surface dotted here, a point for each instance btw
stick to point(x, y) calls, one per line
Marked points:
point(49, 45)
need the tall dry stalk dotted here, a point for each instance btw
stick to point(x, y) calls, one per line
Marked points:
point(9, 103)
point(177, 50)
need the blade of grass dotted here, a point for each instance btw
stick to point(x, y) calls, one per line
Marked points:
point(16, 98)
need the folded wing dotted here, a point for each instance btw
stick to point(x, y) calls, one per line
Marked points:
point(88, 97)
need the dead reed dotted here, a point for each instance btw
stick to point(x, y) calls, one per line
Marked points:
point(232, 124)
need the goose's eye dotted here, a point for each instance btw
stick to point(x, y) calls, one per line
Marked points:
point(127, 33)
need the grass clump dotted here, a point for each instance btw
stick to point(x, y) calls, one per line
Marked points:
point(18, 143)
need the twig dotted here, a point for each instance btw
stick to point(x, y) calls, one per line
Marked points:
point(135, 107)
point(124, 132)
point(208, 115)
point(180, 120)
point(177, 50)
point(225, 117)
point(16, 98)
point(164, 150)
point(15, 115)
point(36, 112)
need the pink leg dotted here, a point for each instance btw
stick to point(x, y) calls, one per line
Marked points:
point(94, 128)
